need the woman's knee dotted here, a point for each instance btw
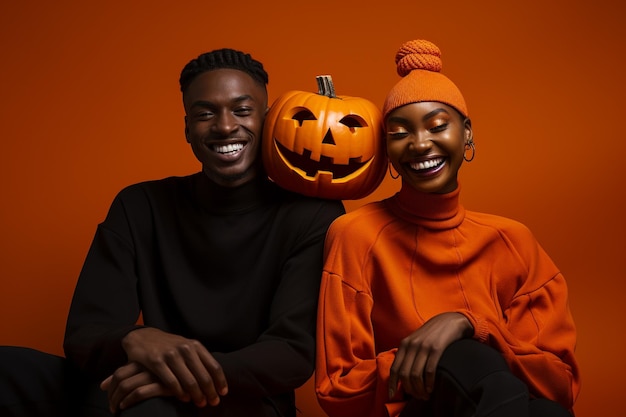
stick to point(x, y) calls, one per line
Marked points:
point(542, 407)
point(478, 379)
point(469, 360)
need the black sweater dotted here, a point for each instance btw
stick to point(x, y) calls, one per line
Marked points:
point(236, 268)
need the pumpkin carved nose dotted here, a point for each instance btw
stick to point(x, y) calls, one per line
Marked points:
point(328, 138)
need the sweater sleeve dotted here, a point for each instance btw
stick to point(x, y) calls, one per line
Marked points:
point(105, 305)
point(351, 378)
point(536, 333)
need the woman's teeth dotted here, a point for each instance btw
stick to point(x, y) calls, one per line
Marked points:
point(427, 164)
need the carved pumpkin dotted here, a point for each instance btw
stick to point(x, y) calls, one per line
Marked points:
point(323, 145)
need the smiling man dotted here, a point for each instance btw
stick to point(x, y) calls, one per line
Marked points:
point(225, 109)
point(223, 266)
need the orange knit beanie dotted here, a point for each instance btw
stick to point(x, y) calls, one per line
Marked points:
point(419, 63)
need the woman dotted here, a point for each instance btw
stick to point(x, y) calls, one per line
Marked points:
point(427, 309)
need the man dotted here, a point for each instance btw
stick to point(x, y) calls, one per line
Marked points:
point(222, 265)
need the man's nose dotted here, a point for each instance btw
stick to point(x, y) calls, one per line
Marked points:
point(224, 123)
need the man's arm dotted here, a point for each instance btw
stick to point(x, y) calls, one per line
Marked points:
point(105, 305)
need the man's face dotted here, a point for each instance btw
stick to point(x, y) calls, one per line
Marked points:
point(224, 114)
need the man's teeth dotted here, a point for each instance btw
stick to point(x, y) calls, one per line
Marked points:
point(230, 148)
point(427, 164)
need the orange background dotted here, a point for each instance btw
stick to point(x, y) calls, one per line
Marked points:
point(90, 103)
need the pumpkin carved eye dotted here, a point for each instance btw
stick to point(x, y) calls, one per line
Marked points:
point(352, 121)
point(303, 114)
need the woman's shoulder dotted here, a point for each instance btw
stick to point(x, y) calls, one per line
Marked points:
point(361, 224)
point(503, 225)
point(363, 215)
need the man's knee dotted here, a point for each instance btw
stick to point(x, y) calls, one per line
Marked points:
point(159, 407)
point(32, 383)
point(28, 372)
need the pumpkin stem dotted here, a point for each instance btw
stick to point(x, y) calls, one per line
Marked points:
point(325, 86)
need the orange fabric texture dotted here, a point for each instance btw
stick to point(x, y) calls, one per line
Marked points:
point(418, 63)
point(392, 265)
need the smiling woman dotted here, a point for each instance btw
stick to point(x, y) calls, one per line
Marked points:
point(427, 309)
point(90, 103)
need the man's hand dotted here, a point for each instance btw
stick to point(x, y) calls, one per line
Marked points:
point(415, 364)
point(183, 367)
point(131, 384)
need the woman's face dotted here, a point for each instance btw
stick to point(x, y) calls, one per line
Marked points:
point(425, 144)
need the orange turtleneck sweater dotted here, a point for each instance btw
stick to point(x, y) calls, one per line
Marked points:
point(392, 265)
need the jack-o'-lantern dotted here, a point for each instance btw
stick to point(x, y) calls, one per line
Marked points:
point(323, 145)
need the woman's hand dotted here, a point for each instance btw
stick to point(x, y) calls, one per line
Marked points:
point(182, 367)
point(415, 364)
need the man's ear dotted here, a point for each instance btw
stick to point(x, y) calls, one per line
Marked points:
point(186, 130)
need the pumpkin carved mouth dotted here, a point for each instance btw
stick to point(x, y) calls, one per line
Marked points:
point(311, 167)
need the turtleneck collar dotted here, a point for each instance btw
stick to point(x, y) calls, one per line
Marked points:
point(434, 211)
point(219, 199)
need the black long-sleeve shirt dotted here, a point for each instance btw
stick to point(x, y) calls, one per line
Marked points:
point(236, 268)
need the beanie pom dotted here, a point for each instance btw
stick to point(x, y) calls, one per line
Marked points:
point(418, 54)
point(418, 62)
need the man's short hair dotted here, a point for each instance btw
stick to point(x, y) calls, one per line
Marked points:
point(220, 59)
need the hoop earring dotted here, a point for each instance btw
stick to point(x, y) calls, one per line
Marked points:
point(469, 146)
point(395, 177)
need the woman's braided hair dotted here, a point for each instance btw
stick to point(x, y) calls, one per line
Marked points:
point(219, 59)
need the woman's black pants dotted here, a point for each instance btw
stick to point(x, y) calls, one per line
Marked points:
point(473, 380)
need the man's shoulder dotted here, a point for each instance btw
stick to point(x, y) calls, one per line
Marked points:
point(301, 211)
point(157, 186)
point(303, 202)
